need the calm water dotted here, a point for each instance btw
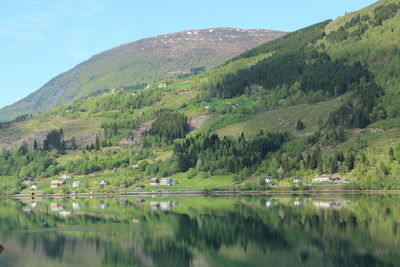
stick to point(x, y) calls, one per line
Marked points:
point(202, 231)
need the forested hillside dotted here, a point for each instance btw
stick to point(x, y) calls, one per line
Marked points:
point(321, 100)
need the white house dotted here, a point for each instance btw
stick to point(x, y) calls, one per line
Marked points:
point(298, 180)
point(168, 181)
point(322, 179)
point(104, 182)
point(268, 180)
point(34, 187)
point(76, 184)
point(66, 177)
point(163, 85)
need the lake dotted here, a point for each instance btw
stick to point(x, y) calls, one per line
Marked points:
point(202, 231)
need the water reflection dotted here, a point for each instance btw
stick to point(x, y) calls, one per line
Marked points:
point(278, 231)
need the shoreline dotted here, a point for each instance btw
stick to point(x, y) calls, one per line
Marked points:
point(207, 193)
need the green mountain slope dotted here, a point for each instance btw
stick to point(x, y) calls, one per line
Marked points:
point(322, 100)
point(133, 65)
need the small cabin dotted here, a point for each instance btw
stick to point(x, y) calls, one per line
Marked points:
point(57, 184)
point(298, 180)
point(322, 179)
point(268, 180)
point(104, 182)
point(76, 184)
point(168, 181)
point(154, 181)
point(140, 187)
point(34, 187)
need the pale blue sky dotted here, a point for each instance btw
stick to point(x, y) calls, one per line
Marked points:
point(42, 38)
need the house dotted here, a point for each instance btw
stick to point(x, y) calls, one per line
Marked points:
point(168, 181)
point(322, 179)
point(123, 186)
point(76, 184)
point(163, 85)
point(34, 187)
point(140, 187)
point(114, 91)
point(57, 184)
point(66, 177)
point(104, 182)
point(135, 165)
point(154, 181)
point(298, 180)
point(76, 206)
point(268, 180)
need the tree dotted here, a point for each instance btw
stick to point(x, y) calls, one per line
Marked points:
point(300, 126)
point(383, 169)
point(97, 143)
point(349, 162)
point(23, 149)
point(74, 145)
point(35, 145)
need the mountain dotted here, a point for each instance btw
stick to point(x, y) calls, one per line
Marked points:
point(321, 100)
point(133, 65)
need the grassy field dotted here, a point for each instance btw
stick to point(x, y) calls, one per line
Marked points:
point(72, 127)
point(199, 182)
point(283, 119)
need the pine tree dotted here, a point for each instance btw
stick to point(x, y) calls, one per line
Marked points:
point(349, 162)
point(97, 143)
point(300, 126)
point(74, 145)
point(35, 145)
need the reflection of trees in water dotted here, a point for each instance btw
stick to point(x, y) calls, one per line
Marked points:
point(167, 252)
point(212, 231)
point(339, 237)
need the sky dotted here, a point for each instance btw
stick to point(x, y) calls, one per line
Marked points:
point(40, 39)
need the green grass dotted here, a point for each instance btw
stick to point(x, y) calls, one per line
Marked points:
point(70, 156)
point(72, 126)
point(200, 182)
point(283, 119)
